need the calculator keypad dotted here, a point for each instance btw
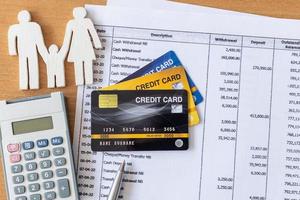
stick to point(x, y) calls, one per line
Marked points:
point(39, 173)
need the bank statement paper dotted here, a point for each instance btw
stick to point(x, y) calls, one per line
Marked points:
point(248, 70)
point(174, 6)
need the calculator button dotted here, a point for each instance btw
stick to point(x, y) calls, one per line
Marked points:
point(18, 179)
point(19, 190)
point(21, 198)
point(60, 162)
point(32, 177)
point(34, 187)
point(47, 174)
point(42, 143)
point(45, 164)
point(16, 169)
point(29, 156)
point(58, 151)
point(13, 148)
point(35, 197)
point(31, 166)
point(15, 158)
point(63, 188)
point(57, 140)
point(28, 145)
point(48, 185)
point(44, 153)
point(50, 195)
point(61, 172)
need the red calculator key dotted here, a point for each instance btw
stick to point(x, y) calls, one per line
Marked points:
point(15, 158)
point(13, 148)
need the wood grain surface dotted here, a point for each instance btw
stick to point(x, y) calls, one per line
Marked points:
point(53, 15)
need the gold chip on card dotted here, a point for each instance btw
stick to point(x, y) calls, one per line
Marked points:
point(108, 101)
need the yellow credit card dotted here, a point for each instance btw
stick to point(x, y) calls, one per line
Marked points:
point(174, 78)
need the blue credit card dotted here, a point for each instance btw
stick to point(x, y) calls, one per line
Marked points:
point(166, 61)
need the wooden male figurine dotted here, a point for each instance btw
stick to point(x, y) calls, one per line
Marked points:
point(25, 39)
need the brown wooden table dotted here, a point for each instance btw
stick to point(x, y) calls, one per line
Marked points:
point(53, 16)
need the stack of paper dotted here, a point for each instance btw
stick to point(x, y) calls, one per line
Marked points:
point(247, 69)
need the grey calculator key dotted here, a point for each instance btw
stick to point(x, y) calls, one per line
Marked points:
point(16, 169)
point(35, 197)
point(47, 174)
point(19, 190)
point(45, 164)
point(34, 187)
point(58, 151)
point(50, 195)
point(61, 172)
point(31, 166)
point(21, 198)
point(60, 162)
point(18, 179)
point(48, 185)
point(63, 188)
point(32, 177)
point(44, 153)
point(29, 155)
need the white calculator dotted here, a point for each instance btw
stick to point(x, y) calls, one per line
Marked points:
point(36, 151)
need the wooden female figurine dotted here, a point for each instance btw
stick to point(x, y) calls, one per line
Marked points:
point(79, 32)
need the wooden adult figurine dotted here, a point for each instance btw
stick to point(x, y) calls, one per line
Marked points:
point(79, 32)
point(25, 39)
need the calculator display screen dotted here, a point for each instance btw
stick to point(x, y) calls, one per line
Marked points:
point(32, 125)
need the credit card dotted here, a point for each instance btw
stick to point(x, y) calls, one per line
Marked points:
point(173, 78)
point(166, 61)
point(139, 120)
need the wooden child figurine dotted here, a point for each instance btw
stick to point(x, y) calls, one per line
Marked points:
point(55, 67)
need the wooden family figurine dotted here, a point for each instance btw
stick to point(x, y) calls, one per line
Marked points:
point(26, 40)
